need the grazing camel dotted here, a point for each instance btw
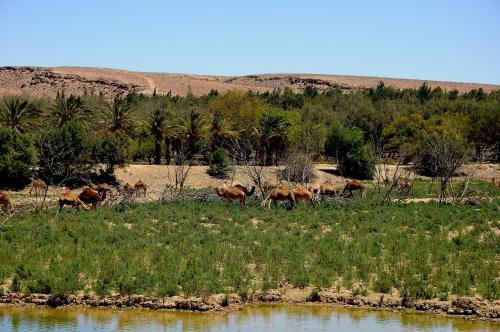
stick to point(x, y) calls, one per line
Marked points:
point(230, 194)
point(325, 188)
point(5, 201)
point(301, 193)
point(140, 187)
point(128, 189)
point(496, 184)
point(352, 185)
point(38, 186)
point(245, 189)
point(279, 194)
point(71, 199)
point(91, 197)
point(403, 185)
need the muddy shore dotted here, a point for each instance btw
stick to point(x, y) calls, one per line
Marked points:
point(467, 307)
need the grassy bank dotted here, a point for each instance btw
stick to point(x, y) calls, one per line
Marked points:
point(195, 248)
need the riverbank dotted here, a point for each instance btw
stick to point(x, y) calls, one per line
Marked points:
point(425, 257)
point(466, 307)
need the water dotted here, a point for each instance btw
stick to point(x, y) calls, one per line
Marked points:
point(252, 318)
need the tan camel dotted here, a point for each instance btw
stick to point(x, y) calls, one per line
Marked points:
point(324, 188)
point(38, 186)
point(352, 185)
point(71, 199)
point(5, 201)
point(140, 187)
point(230, 194)
point(496, 184)
point(299, 193)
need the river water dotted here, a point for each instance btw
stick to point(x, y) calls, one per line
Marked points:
point(252, 318)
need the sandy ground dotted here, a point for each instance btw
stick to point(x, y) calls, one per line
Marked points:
point(158, 177)
point(39, 81)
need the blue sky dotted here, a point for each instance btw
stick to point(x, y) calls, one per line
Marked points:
point(434, 40)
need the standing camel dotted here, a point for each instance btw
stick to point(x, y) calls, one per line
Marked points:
point(352, 185)
point(5, 201)
point(91, 197)
point(140, 187)
point(38, 186)
point(71, 199)
point(299, 193)
point(230, 194)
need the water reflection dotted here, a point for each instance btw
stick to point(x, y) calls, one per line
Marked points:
point(252, 318)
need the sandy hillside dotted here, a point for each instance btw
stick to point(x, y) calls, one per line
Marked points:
point(77, 80)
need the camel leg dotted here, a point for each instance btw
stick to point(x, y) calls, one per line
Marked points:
point(61, 204)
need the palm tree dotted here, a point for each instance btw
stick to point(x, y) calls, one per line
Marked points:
point(271, 136)
point(19, 115)
point(194, 130)
point(220, 130)
point(118, 115)
point(64, 110)
point(156, 124)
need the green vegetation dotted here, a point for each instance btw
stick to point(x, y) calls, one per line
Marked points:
point(422, 250)
point(219, 164)
point(355, 159)
point(266, 128)
point(17, 156)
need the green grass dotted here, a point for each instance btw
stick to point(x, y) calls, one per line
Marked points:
point(159, 249)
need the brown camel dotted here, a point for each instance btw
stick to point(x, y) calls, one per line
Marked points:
point(5, 201)
point(496, 184)
point(248, 192)
point(279, 194)
point(230, 194)
point(71, 199)
point(301, 193)
point(140, 187)
point(38, 186)
point(128, 189)
point(103, 189)
point(352, 185)
point(403, 186)
point(91, 197)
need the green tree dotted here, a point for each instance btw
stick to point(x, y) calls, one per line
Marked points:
point(17, 156)
point(194, 129)
point(220, 130)
point(19, 115)
point(110, 149)
point(156, 124)
point(218, 164)
point(118, 116)
point(271, 136)
point(72, 108)
point(355, 159)
point(63, 153)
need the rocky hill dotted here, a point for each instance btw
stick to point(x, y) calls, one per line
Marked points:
point(38, 81)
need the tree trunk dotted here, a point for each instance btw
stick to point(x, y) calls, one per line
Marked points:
point(168, 155)
point(157, 152)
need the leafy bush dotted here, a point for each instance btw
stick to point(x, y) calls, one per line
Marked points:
point(355, 159)
point(63, 153)
point(16, 158)
point(218, 164)
point(110, 149)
